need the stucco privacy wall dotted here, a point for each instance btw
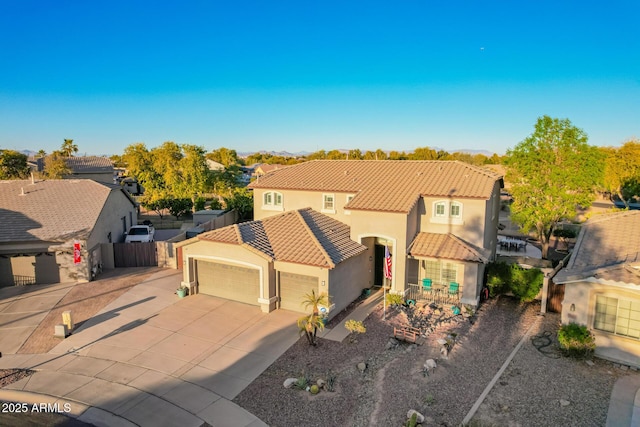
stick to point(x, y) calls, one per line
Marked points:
point(578, 307)
point(347, 281)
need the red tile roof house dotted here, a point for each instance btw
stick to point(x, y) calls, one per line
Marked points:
point(42, 220)
point(323, 225)
point(602, 285)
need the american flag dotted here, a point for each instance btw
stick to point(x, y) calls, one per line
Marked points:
point(387, 263)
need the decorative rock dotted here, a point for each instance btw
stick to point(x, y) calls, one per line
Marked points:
point(362, 366)
point(392, 343)
point(624, 368)
point(419, 416)
point(289, 382)
point(442, 341)
point(444, 352)
point(321, 383)
point(564, 402)
point(430, 364)
point(590, 363)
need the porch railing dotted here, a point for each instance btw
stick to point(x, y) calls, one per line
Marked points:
point(438, 294)
point(23, 280)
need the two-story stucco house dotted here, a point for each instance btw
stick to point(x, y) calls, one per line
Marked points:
point(602, 285)
point(438, 219)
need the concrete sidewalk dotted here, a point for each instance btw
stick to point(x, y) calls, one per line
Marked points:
point(624, 406)
point(150, 358)
point(340, 332)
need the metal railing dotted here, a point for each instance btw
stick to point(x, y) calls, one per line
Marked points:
point(23, 280)
point(439, 294)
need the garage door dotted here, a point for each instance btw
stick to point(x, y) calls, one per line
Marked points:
point(229, 281)
point(293, 288)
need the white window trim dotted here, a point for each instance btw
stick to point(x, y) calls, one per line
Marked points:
point(447, 218)
point(324, 208)
point(272, 206)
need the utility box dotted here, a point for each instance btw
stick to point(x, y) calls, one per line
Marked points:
point(67, 319)
point(60, 331)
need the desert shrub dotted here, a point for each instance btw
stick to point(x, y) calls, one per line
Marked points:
point(355, 326)
point(576, 341)
point(524, 284)
point(395, 299)
point(331, 381)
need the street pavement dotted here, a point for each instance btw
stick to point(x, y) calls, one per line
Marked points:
point(149, 357)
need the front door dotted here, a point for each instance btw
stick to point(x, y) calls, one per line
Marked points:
point(378, 277)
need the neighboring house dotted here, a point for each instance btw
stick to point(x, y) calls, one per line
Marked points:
point(439, 220)
point(97, 168)
point(602, 285)
point(264, 168)
point(214, 166)
point(44, 222)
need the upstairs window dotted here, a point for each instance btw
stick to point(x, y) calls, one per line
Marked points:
point(447, 212)
point(272, 200)
point(328, 203)
point(440, 209)
point(456, 210)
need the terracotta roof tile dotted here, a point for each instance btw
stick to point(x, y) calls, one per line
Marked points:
point(302, 237)
point(446, 246)
point(606, 244)
point(52, 210)
point(385, 185)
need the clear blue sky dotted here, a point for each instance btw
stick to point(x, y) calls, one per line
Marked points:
point(308, 75)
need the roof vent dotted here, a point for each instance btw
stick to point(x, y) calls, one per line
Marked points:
point(346, 173)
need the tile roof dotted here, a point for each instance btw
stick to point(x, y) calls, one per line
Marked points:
point(384, 185)
point(446, 246)
point(303, 237)
point(89, 164)
point(606, 244)
point(52, 210)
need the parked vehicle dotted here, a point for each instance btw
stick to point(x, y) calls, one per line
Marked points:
point(140, 233)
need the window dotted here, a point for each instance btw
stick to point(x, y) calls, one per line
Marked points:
point(446, 212)
point(456, 210)
point(328, 203)
point(441, 272)
point(272, 200)
point(618, 316)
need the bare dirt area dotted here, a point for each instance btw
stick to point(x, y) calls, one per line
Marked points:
point(84, 300)
point(394, 382)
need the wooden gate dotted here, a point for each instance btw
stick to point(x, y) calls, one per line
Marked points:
point(555, 297)
point(135, 254)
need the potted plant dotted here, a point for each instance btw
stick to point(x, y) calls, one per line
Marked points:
point(182, 292)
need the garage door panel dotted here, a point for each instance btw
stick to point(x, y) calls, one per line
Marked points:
point(293, 288)
point(229, 281)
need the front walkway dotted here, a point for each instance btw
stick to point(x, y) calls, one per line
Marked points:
point(150, 358)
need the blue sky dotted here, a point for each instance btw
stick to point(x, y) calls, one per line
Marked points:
point(305, 75)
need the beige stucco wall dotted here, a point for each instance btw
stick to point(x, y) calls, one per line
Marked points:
point(472, 226)
point(230, 254)
point(347, 281)
point(292, 200)
point(117, 205)
point(582, 295)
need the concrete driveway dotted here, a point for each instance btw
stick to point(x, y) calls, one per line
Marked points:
point(150, 358)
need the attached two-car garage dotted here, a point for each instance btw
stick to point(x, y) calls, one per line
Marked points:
point(229, 281)
point(293, 288)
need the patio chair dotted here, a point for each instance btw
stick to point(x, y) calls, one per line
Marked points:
point(427, 288)
point(453, 290)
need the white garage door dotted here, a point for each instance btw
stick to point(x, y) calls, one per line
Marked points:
point(293, 288)
point(229, 281)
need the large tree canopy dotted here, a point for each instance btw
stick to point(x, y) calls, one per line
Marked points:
point(13, 165)
point(553, 171)
point(622, 171)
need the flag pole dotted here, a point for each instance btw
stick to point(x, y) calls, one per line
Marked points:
point(384, 300)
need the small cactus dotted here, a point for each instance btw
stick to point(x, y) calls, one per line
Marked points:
point(314, 389)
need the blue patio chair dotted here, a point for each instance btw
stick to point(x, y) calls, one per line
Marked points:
point(453, 290)
point(427, 288)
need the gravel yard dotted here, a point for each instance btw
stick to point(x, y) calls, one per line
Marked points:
point(529, 393)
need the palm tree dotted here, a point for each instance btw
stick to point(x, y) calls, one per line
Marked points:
point(68, 148)
point(310, 324)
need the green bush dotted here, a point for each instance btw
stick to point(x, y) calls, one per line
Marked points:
point(199, 203)
point(355, 326)
point(576, 341)
point(524, 284)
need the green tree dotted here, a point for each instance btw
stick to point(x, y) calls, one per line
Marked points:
point(424, 153)
point(241, 200)
point(224, 156)
point(13, 165)
point(622, 171)
point(55, 165)
point(553, 171)
point(68, 148)
point(336, 155)
point(195, 176)
point(179, 207)
point(41, 153)
point(354, 154)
